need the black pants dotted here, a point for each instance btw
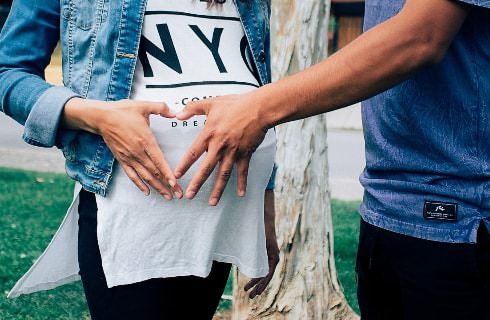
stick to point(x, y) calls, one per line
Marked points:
point(188, 297)
point(401, 277)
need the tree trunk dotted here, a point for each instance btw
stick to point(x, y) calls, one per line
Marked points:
point(305, 285)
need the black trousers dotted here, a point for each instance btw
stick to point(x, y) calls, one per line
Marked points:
point(401, 277)
point(186, 297)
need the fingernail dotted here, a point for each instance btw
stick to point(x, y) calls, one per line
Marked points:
point(213, 201)
point(177, 194)
point(168, 197)
point(190, 194)
point(241, 193)
point(178, 175)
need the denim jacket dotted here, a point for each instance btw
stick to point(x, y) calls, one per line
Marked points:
point(99, 41)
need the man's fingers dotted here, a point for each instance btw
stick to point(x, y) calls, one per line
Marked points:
point(133, 176)
point(193, 109)
point(202, 174)
point(150, 179)
point(222, 178)
point(193, 154)
point(242, 174)
point(161, 166)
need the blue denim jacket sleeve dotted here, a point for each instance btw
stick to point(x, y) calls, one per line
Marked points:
point(27, 41)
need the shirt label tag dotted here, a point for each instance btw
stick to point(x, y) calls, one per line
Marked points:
point(441, 210)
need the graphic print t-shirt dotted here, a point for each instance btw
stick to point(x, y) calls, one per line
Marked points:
point(189, 51)
point(191, 55)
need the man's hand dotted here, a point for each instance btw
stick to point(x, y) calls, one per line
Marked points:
point(379, 59)
point(224, 147)
point(259, 284)
point(125, 127)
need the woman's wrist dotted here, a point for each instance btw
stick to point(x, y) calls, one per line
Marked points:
point(83, 114)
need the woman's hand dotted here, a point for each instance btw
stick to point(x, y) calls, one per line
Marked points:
point(125, 127)
point(259, 284)
point(233, 131)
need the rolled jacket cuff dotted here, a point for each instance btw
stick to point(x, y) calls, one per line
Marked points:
point(43, 121)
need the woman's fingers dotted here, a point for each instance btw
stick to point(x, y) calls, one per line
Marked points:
point(160, 166)
point(251, 284)
point(150, 179)
point(133, 176)
point(259, 286)
point(159, 108)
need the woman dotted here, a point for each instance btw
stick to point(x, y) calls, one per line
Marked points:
point(142, 250)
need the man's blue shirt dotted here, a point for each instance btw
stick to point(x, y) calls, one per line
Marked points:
point(428, 139)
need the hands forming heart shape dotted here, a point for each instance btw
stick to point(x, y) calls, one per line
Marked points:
point(228, 138)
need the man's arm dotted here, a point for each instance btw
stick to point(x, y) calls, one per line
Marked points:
point(380, 58)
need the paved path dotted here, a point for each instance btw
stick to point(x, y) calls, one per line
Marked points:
point(346, 161)
point(346, 157)
point(15, 153)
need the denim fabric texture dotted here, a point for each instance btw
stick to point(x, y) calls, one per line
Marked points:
point(99, 43)
point(428, 138)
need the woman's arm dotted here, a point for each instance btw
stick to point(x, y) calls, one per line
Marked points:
point(259, 284)
point(27, 42)
point(382, 57)
point(125, 127)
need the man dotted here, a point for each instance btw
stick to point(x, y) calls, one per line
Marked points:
point(424, 249)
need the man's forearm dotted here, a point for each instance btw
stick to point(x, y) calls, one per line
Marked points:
point(377, 60)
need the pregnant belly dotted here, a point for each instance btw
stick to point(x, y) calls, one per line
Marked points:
point(175, 137)
point(174, 141)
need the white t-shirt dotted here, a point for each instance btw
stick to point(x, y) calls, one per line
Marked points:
point(188, 51)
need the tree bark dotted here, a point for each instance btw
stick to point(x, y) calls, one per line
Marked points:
point(305, 285)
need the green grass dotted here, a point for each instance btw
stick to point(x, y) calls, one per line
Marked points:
point(32, 206)
point(346, 231)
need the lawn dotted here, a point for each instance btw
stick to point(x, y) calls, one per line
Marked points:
point(31, 208)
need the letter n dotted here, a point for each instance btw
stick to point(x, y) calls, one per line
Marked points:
point(167, 56)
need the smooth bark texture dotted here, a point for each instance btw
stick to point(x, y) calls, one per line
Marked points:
point(305, 284)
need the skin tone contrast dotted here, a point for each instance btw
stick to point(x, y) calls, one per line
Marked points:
point(379, 59)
